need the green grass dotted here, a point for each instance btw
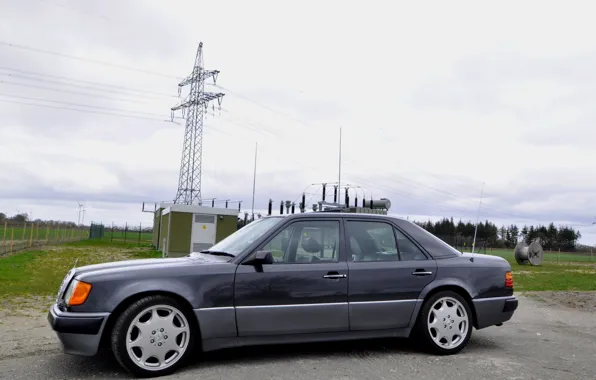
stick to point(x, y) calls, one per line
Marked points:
point(572, 272)
point(552, 257)
point(39, 272)
point(554, 277)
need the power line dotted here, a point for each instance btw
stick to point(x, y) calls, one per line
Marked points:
point(435, 203)
point(83, 59)
point(59, 77)
point(83, 111)
point(454, 196)
point(119, 92)
point(263, 106)
point(80, 105)
point(71, 92)
point(42, 51)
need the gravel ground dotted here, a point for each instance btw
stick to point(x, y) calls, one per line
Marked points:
point(552, 336)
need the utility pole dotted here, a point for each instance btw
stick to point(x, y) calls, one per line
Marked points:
point(339, 170)
point(80, 208)
point(254, 182)
point(477, 218)
point(189, 181)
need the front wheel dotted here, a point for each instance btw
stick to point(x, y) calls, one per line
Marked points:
point(445, 323)
point(153, 336)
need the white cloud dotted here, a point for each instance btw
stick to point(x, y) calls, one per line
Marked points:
point(433, 99)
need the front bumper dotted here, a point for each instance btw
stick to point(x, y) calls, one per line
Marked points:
point(494, 311)
point(79, 333)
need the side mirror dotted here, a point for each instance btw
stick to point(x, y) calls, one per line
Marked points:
point(260, 258)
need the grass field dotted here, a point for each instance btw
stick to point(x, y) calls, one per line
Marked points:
point(558, 272)
point(39, 272)
point(555, 277)
point(549, 257)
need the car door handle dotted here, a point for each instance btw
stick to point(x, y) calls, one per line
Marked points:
point(422, 273)
point(335, 276)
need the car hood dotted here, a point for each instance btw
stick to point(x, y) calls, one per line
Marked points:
point(134, 264)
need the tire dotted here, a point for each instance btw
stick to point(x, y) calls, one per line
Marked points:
point(457, 322)
point(163, 345)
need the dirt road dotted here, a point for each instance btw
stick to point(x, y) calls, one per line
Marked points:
point(550, 337)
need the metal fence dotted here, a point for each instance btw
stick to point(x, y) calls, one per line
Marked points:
point(127, 233)
point(18, 236)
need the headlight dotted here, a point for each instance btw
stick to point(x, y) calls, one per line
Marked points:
point(77, 293)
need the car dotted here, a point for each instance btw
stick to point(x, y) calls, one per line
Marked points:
point(309, 277)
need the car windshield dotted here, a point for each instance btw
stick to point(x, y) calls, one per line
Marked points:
point(244, 237)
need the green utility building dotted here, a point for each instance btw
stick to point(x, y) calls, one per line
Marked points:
point(157, 223)
point(181, 229)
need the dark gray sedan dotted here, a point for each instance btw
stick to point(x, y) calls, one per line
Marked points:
point(285, 279)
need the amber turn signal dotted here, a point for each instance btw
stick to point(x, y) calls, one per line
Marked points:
point(79, 294)
point(509, 280)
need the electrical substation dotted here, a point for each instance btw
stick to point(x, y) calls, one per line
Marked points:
point(370, 206)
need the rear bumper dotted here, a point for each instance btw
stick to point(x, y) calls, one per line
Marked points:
point(79, 333)
point(493, 311)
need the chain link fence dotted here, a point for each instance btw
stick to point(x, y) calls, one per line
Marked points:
point(127, 233)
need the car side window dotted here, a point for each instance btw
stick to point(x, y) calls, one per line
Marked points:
point(371, 241)
point(306, 242)
point(408, 251)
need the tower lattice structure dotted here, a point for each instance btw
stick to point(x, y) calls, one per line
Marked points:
point(195, 106)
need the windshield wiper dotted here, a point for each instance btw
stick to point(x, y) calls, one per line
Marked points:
point(217, 253)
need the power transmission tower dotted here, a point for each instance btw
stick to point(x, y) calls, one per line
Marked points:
point(189, 182)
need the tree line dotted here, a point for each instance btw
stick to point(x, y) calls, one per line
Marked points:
point(551, 237)
point(23, 217)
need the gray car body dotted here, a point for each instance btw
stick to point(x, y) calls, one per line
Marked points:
point(237, 304)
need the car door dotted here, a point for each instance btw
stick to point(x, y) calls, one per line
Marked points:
point(387, 273)
point(305, 290)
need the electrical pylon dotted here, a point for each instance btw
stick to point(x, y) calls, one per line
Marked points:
point(189, 182)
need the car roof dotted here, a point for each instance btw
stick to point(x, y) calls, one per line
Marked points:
point(326, 214)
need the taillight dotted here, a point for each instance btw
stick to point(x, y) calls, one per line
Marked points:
point(509, 280)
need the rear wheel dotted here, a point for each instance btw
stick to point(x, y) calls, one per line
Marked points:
point(445, 323)
point(153, 336)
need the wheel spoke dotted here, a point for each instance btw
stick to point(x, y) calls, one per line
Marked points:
point(169, 319)
point(146, 354)
point(457, 320)
point(144, 328)
point(152, 316)
point(140, 341)
point(448, 339)
point(160, 355)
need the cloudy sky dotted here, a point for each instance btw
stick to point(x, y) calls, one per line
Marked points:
point(434, 98)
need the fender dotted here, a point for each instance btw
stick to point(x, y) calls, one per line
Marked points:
point(142, 286)
point(107, 300)
point(447, 281)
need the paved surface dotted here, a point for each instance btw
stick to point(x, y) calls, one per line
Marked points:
point(539, 343)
